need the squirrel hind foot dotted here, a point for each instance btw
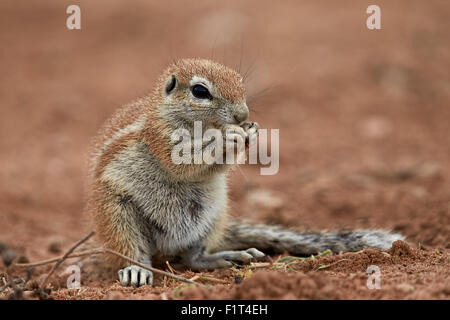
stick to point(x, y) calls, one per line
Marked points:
point(135, 276)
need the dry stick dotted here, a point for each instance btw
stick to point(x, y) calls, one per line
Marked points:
point(64, 257)
point(194, 277)
point(330, 265)
point(73, 255)
point(207, 278)
point(262, 264)
point(100, 250)
point(170, 267)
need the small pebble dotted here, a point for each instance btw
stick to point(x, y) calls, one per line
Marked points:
point(2, 247)
point(23, 259)
point(55, 247)
point(8, 257)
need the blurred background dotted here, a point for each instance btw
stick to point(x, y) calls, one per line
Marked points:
point(364, 115)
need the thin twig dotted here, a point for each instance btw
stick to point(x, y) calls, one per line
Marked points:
point(64, 257)
point(325, 266)
point(194, 277)
point(11, 283)
point(101, 250)
point(170, 267)
point(73, 255)
point(207, 278)
point(262, 264)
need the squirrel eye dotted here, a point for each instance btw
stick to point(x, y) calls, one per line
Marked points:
point(201, 92)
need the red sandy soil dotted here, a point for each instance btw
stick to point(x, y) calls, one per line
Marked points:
point(364, 134)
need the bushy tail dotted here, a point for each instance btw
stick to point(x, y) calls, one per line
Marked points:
point(266, 238)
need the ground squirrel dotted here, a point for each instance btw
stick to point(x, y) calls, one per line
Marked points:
point(146, 207)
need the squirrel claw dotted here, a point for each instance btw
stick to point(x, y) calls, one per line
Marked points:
point(250, 127)
point(244, 256)
point(256, 253)
point(135, 276)
point(251, 130)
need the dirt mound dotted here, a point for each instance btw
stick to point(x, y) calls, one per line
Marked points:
point(268, 285)
point(341, 276)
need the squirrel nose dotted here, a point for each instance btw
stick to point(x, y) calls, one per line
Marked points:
point(241, 115)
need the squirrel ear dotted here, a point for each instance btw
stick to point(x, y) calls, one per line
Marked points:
point(171, 84)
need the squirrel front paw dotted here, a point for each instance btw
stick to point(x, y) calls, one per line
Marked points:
point(247, 131)
point(251, 129)
point(234, 129)
point(135, 276)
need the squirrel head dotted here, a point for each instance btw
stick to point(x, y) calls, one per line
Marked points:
point(201, 90)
